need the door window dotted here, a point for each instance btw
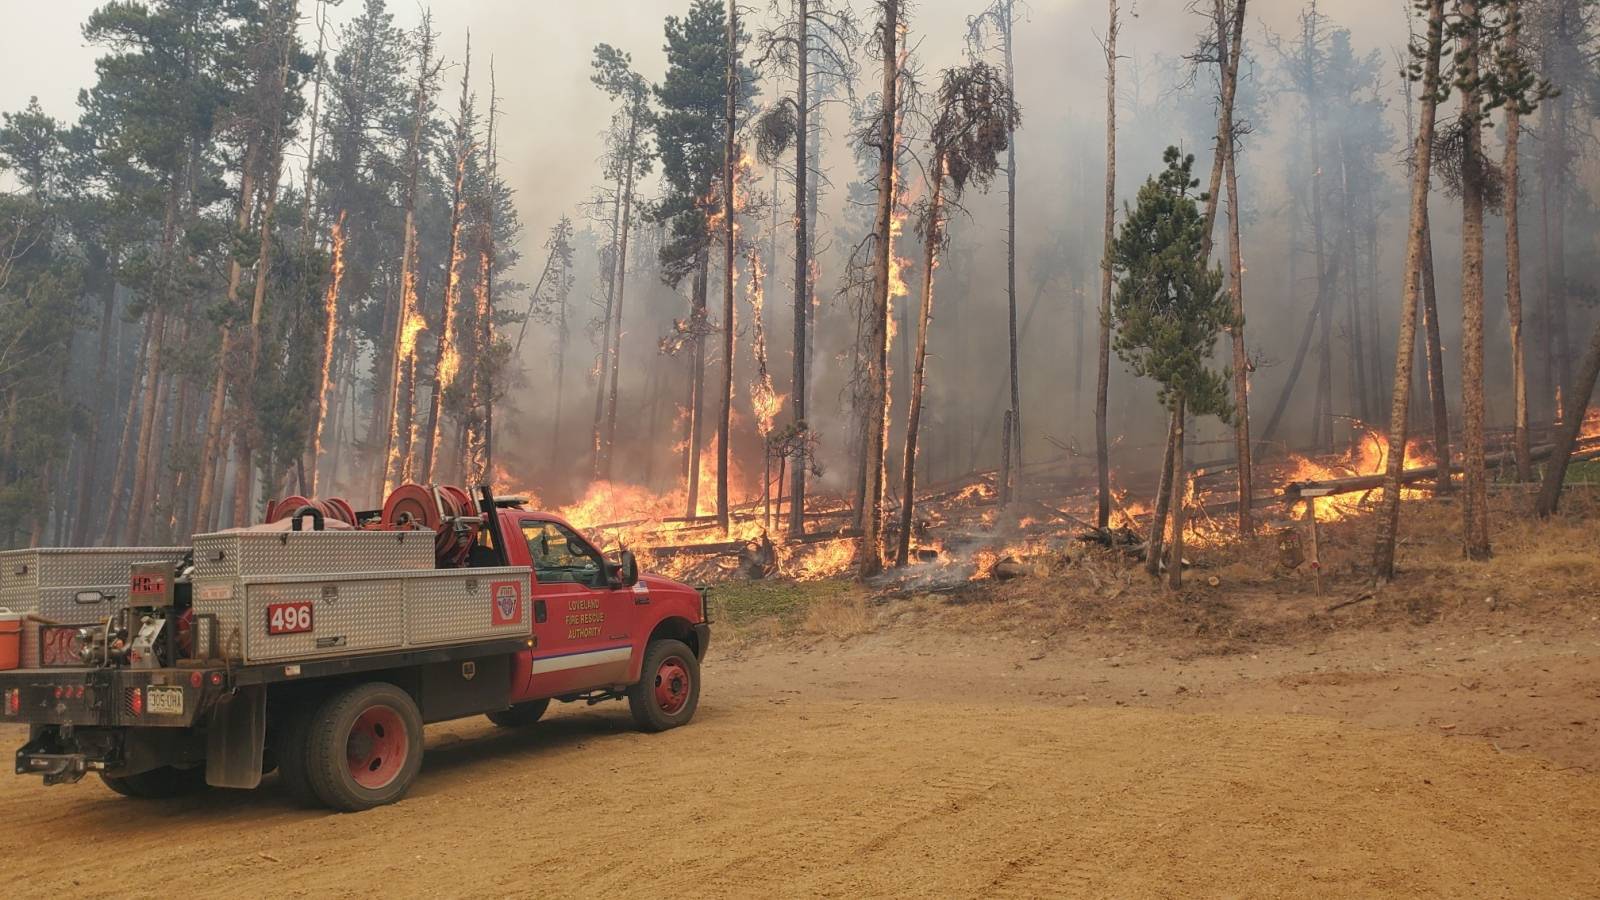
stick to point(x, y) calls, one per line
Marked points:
point(559, 555)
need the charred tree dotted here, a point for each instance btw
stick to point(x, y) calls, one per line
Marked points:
point(974, 121)
point(406, 321)
point(1555, 473)
point(447, 357)
point(1103, 379)
point(886, 141)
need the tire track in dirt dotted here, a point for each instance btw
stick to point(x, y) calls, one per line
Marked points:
point(871, 828)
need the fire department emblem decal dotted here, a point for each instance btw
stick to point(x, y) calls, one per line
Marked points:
point(507, 597)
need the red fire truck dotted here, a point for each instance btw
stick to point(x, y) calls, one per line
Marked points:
point(321, 643)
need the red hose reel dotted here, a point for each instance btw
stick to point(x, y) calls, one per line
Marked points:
point(446, 510)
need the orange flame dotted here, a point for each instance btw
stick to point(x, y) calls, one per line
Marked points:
point(330, 305)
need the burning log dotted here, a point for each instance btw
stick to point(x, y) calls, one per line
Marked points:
point(1295, 491)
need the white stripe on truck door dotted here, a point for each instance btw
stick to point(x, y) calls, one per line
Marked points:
point(582, 660)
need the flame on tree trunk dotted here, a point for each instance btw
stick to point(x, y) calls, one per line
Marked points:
point(330, 332)
point(407, 322)
point(877, 335)
point(802, 265)
point(448, 357)
point(729, 164)
point(1102, 444)
point(930, 262)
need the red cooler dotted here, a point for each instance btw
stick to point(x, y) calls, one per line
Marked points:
point(10, 638)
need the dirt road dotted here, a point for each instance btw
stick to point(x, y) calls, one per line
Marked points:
point(886, 769)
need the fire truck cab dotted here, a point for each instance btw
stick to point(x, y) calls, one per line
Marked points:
point(321, 652)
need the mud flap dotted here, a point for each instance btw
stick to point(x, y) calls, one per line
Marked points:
point(236, 739)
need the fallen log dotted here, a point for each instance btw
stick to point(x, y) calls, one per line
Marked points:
point(1299, 490)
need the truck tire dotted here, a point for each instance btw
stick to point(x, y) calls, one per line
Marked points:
point(158, 784)
point(668, 689)
point(289, 749)
point(521, 715)
point(364, 747)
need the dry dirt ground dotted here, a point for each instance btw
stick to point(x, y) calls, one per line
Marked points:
point(1419, 762)
point(1008, 741)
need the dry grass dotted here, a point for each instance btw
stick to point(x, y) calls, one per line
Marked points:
point(1540, 569)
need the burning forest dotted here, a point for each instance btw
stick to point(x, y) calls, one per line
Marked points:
point(811, 288)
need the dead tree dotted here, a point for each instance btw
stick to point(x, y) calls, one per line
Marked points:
point(1101, 440)
point(1555, 474)
point(447, 357)
point(629, 158)
point(974, 121)
point(887, 140)
point(730, 161)
point(1519, 373)
point(1001, 17)
point(815, 38)
point(405, 322)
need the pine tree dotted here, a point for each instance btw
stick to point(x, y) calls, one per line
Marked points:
point(1168, 311)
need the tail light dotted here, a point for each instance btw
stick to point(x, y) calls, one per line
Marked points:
point(135, 701)
point(13, 701)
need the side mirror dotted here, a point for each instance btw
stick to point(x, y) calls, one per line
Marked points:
point(630, 568)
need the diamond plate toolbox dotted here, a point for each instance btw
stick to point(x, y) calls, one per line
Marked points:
point(223, 559)
point(359, 592)
point(365, 612)
point(48, 580)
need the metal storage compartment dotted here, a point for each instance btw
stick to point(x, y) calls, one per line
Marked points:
point(366, 612)
point(48, 580)
point(367, 591)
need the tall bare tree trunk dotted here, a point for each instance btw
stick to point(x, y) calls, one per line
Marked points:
point(877, 418)
point(1241, 361)
point(447, 357)
point(125, 445)
point(730, 164)
point(1474, 506)
point(89, 462)
point(1438, 405)
point(1158, 521)
point(392, 467)
point(1102, 443)
point(697, 384)
point(1406, 342)
point(597, 432)
point(1513, 188)
point(142, 461)
point(1322, 423)
point(1180, 494)
point(1230, 45)
point(327, 387)
point(908, 470)
point(214, 454)
point(1555, 474)
point(1006, 25)
point(622, 285)
point(802, 261)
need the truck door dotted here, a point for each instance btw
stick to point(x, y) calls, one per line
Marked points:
point(582, 626)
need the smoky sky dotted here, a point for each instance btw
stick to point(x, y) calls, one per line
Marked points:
point(553, 116)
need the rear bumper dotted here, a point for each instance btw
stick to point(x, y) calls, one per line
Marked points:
point(99, 697)
point(702, 637)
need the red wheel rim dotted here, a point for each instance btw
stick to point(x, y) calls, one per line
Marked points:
point(376, 749)
point(673, 684)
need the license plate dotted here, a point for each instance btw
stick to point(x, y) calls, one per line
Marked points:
point(164, 701)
